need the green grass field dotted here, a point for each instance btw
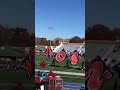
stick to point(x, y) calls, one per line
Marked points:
point(61, 67)
point(9, 78)
point(72, 78)
point(111, 82)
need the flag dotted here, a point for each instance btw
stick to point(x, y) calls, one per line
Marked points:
point(75, 57)
point(28, 68)
point(29, 63)
point(97, 74)
point(60, 56)
point(32, 59)
point(48, 52)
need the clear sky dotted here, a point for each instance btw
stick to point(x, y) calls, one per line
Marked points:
point(66, 17)
point(106, 12)
point(17, 13)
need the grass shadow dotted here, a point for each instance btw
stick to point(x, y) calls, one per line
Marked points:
point(55, 65)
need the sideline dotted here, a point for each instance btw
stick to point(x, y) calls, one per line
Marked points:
point(65, 73)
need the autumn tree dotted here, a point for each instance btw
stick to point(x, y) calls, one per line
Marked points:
point(16, 37)
point(75, 39)
point(116, 33)
point(98, 32)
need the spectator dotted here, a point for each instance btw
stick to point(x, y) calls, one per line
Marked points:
point(37, 83)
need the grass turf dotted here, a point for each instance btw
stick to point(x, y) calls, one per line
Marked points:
point(109, 85)
point(8, 79)
point(72, 78)
point(59, 66)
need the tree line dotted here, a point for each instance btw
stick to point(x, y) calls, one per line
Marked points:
point(101, 32)
point(18, 36)
point(56, 41)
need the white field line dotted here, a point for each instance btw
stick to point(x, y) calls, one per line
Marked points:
point(72, 77)
point(65, 73)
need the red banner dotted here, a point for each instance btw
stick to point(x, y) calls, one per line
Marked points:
point(48, 52)
point(97, 74)
point(60, 56)
point(75, 58)
point(29, 63)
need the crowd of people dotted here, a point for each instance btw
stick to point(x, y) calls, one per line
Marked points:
point(13, 65)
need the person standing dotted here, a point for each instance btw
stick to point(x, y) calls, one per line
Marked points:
point(54, 60)
point(67, 63)
point(42, 65)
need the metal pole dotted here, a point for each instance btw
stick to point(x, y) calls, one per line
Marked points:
point(50, 42)
point(50, 28)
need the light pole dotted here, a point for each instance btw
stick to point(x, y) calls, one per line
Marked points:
point(50, 29)
point(50, 42)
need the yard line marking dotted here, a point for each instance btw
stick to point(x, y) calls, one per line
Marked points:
point(67, 73)
point(72, 83)
point(72, 77)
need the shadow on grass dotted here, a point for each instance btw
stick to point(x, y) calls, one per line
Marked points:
point(68, 67)
point(55, 65)
point(78, 68)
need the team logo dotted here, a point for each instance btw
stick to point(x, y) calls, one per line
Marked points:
point(75, 58)
point(97, 74)
point(61, 56)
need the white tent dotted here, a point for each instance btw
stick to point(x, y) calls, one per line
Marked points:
point(70, 47)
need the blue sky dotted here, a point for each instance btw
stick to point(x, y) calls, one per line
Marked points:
point(106, 12)
point(17, 13)
point(66, 16)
